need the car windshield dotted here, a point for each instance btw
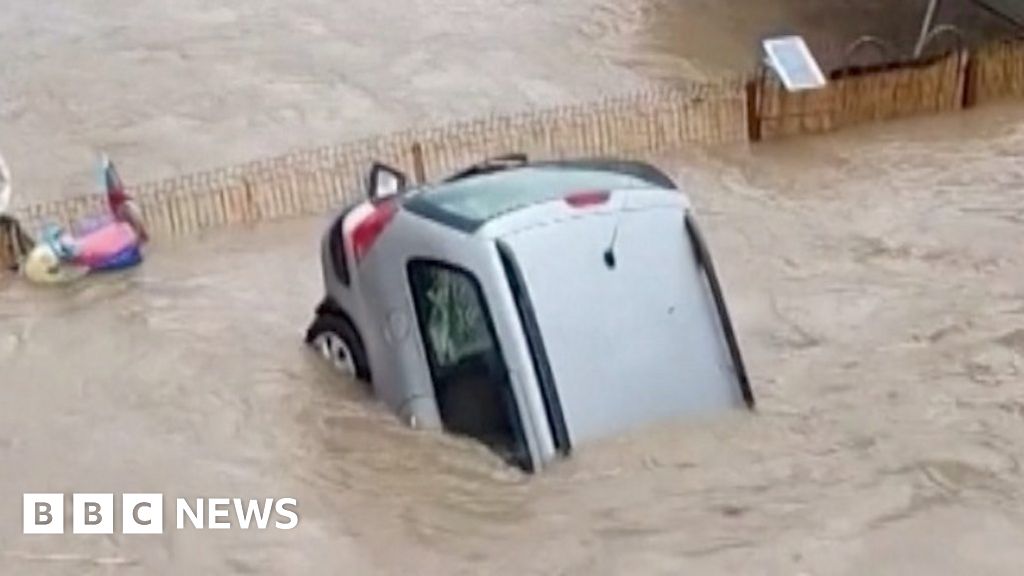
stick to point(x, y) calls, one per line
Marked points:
point(471, 202)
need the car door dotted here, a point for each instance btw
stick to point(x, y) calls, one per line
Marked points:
point(468, 369)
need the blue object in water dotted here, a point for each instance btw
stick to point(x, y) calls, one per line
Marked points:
point(130, 256)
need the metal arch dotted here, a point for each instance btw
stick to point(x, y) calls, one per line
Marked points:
point(942, 30)
point(885, 48)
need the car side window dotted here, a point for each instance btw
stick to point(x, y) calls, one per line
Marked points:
point(454, 320)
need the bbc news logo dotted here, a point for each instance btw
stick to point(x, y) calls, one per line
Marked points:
point(144, 513)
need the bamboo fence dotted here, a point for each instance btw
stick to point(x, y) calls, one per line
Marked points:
point(307, 182)
point(313, 181)
point(996, 73)
point(860, 95)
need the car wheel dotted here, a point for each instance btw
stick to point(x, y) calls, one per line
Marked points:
point(334, 337)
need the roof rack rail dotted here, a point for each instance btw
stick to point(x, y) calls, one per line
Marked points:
point(493, 164)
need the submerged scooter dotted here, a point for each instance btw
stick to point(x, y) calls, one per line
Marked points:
point(112, 242)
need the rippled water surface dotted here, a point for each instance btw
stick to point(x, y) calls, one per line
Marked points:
point(173, 87)
point(876, 279)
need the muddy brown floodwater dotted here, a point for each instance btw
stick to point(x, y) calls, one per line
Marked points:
point(877, 282)
point(173, 87)
point(876, 277)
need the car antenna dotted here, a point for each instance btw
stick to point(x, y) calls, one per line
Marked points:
point(609, 253)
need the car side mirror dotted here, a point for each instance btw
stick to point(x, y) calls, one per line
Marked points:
point(385, 182)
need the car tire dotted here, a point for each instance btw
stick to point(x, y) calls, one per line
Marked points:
point(336, 339)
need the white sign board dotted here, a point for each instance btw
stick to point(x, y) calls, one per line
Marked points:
point(792, 60)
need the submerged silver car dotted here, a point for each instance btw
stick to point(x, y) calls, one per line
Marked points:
point(532, 306)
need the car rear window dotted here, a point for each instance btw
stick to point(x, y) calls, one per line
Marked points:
point(469, 203)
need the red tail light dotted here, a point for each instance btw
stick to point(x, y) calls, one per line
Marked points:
point(367, 231)
point(587, 198)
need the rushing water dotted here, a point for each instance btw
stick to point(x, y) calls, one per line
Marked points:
point(878, 285)
point(172, 87)
point(876, 279)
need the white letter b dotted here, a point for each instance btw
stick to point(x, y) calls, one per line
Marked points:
point(92, 513)
point(43, 514)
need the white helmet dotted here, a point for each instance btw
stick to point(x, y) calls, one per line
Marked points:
point(43, 266)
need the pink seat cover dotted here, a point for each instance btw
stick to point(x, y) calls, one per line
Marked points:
point(98, 246)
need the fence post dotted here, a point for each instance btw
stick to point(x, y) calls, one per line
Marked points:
point(417, 163)
point(969, 97)
point(753, 111)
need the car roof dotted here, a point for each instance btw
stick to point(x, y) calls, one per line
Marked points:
point(469, 202)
